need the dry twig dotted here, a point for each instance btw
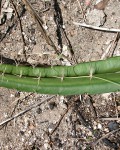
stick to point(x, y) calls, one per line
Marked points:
point(115, 42)
point(40, 25)
point(0, 6)
point(19, 21)
point(96, 28)
point(65, 112)
point(111, 48)
point(114, 98)
point(21, 29)
point(26, 110)
point(105, 136)
point(83, 15)
point(60, 30)
point(19, 100)
point(109, 119)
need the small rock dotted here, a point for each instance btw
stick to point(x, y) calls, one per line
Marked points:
point(113, 125)
point(99, 126)
point(12, 95)
point(22, 132)
point(110, 144)
point(39, 110)
point(45, 26)
point(51, 127)
point(96, 18)
point(62, 102)
point(106, 95)
point(36, 50)
point(118, 107)
point(46, 144)
point(52, 105)
point(17, 94)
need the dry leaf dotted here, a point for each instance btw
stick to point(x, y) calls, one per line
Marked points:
point(101, 5)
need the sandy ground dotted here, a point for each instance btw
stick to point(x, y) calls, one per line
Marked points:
point(82, 125)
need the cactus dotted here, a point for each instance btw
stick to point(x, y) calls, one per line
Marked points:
point(90, 77)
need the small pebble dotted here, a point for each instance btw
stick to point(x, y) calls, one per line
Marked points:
point(39, 110)
point(99, 126)
point(52, 105)
point(113, 125)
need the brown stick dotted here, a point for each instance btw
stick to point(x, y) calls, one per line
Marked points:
point(40, 23)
